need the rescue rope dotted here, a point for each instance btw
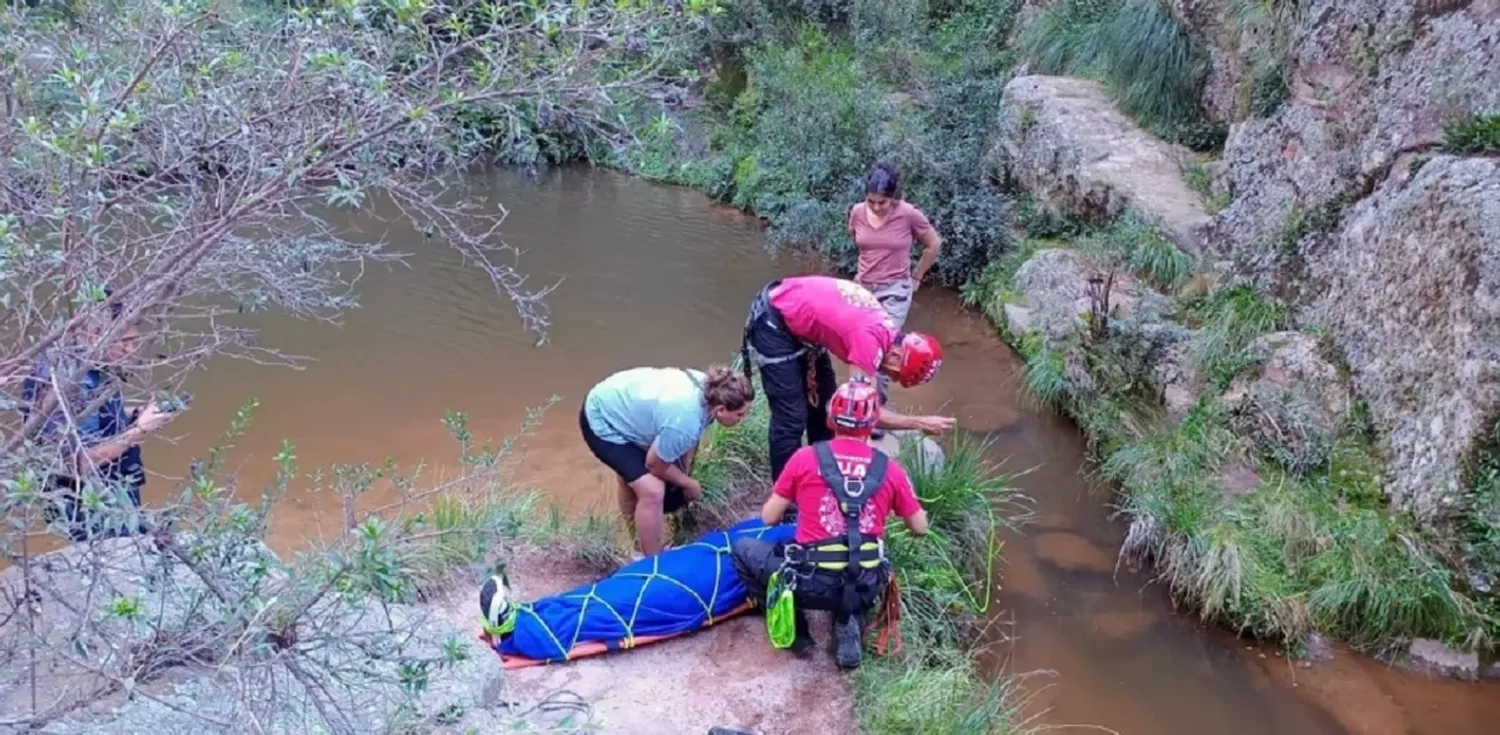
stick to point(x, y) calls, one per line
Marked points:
point(556, 702)
point(888, 622)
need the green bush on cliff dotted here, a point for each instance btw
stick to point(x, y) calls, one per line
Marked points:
point(1139, 52)
point(1229, 319)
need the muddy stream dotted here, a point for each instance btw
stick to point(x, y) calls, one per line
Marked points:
point(659, 276)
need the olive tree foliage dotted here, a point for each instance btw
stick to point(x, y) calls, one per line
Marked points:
point(174, 164)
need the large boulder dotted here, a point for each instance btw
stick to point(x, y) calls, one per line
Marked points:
point(1410, 289)
point(1055, 301)
point(1065, 142)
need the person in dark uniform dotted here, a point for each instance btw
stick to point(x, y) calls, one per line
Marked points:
point(97, 439)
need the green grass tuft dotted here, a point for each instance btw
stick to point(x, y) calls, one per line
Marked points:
point(1293, 555)
point(1479, 134)
point(947, 586)
point(1229, 319)
point(1141, 247)
point(1046, 371)
point(1480, 528)
point(1281, 555)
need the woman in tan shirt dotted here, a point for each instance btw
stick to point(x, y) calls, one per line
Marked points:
point(885, 227)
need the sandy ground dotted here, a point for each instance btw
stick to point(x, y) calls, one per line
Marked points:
point(724, 676)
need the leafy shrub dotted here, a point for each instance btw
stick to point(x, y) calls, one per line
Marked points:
point(820, 110)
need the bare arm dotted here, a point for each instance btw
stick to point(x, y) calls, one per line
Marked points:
point(932, 244)
point(775, 509)
point(916, 522)
point(669, 471)
point(892, 419)
point(111, 449)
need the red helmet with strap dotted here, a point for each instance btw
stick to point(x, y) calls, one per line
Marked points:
point(855, 407)
point(921, 356)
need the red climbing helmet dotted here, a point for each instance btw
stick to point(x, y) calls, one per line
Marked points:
point(855, 407)
point(921, 356)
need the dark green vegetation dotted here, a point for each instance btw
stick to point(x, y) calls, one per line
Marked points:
point(828, 94)
point(1139, 52)
point(946, 578)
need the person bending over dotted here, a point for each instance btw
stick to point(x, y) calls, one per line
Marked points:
point(795, 324)
point(838, 562)
point(645, 423)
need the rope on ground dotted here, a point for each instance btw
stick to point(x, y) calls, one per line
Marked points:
point(561, 700)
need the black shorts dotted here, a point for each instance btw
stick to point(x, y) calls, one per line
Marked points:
point(627, 460)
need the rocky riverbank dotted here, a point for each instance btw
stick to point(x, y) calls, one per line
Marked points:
point(140, 635)
point(1302, 420)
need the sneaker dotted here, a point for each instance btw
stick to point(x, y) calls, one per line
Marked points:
point(849, 651)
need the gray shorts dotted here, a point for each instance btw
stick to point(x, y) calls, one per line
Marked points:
point(896, 298)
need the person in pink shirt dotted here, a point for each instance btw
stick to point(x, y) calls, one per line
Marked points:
point(796, 324)
point(884, 227)
point(845, 490)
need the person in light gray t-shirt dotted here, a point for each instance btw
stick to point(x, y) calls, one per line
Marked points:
point(645, 423)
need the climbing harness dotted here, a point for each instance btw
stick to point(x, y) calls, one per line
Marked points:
point(855, 551)
point(760, 310)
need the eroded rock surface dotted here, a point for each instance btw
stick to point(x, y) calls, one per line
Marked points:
point(1054, 285)
point(1065, 142)
point(1295, 405)
point(1410, 289)
point(1372, 85)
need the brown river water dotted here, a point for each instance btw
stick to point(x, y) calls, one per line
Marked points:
point(659, 276)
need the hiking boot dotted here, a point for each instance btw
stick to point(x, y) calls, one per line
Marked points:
point(850, 646)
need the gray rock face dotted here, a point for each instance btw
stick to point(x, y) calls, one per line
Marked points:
point(1296, 406)
point(1278, 168)
point(1064, 141)
point(1434, 657)
point(1177, 381)
point(1371, 83)
point(1230, 37)
point(1410, 289)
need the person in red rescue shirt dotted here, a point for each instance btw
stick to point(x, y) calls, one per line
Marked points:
point(795, 324)
point(832, 483)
